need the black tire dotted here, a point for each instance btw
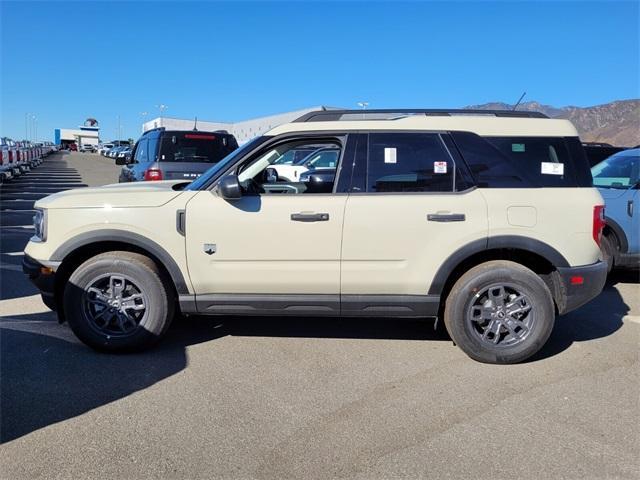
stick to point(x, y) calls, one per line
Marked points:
point(519, 334)
point(145, 281)
point(607, 246)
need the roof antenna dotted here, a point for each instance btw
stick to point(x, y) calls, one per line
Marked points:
point(195, 125)
point(519, 100)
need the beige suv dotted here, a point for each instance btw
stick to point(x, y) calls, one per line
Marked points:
point(486, 220)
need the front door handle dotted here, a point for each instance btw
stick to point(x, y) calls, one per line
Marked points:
point(630, 208)
point(446, 217)
point(309, 217)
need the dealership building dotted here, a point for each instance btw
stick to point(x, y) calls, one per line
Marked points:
point(87, 134)
point(243, 131)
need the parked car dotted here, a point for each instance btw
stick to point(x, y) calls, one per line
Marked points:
point(429, 214)
point(104, 148)
point(319, 159)
point(87, 148)
point(8, 159)
point(162, 154)
point(124, 155)
point(618, 180)
point(113, 153)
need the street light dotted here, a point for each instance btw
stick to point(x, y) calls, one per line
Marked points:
point(162, 108)
point(363, 105)
point(144, 119)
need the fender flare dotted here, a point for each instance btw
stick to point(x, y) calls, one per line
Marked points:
point(501, 241)
point(113, 235)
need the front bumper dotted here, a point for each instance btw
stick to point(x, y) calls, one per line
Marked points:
point(43, 278)
point(579, 285)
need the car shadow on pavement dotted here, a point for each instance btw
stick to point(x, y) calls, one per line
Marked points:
point(597, 319)
point(48, 376)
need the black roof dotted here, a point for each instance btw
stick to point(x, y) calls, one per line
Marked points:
point(332, 115)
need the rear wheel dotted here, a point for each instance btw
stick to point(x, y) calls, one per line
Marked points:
point(607, 245)
point(118, 301)
point(499, 312)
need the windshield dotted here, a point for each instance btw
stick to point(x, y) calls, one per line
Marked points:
point(618, 171)
point(223, 164)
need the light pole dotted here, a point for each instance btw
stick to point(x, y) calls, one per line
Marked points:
point(363, 106)
point(162, 108)
point(26, 126)
point(144, 118)
point(35, 128)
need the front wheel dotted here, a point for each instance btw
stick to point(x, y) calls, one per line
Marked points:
point(499, 312)
point(118, 301)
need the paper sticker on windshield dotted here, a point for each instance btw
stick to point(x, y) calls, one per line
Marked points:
point(439, 167)
point(390, 155)
point(551, 168)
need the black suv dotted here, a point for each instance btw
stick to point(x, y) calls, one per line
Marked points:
point(162, 154)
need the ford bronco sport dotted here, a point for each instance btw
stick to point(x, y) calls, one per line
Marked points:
point(486, 220)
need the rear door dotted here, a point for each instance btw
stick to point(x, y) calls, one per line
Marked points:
point(186, 155)
point(409, 209)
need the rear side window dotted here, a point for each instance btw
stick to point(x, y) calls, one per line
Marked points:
point(544, 160)
point(408, 162)
point(195, 147)
point(521, 162)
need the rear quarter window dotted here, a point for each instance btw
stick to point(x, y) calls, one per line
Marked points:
point(520, 162)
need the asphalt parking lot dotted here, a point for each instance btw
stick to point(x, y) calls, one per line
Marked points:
point(305, 398)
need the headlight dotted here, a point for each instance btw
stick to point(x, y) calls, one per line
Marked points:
point(40, 225)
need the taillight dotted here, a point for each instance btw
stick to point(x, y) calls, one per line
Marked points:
point(598, 223)
point(10, 156)
point(153, 174)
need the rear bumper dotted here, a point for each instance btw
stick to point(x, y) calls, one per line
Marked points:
point(43, 278)
point(579, 285)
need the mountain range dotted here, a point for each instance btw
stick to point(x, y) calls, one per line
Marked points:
point(616, 123)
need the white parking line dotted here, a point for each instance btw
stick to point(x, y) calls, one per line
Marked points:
point(14, 254)
point(631, 318)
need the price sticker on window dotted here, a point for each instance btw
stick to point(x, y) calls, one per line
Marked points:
point(390, 155)
point(439, 167)
point(551, 168)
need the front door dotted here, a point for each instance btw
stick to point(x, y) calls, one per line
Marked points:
point(277, 247)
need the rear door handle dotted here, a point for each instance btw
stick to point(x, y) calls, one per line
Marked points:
point(309, 217)
point(446, 217)
point(630, 208)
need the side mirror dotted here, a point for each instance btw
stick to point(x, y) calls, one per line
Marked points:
point(122, 161)
point(229, 188)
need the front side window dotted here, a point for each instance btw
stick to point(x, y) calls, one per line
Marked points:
point(619, 171)
point(141, 155)
point(408, 162)
point(266, 174)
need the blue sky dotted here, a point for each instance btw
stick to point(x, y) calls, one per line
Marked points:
point(233, 61)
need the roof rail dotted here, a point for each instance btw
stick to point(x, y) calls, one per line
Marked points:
point(393, 113)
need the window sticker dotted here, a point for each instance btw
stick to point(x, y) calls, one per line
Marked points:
point(439, 167)
point(551, 168)
point(517, 147)
point(390, 155)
